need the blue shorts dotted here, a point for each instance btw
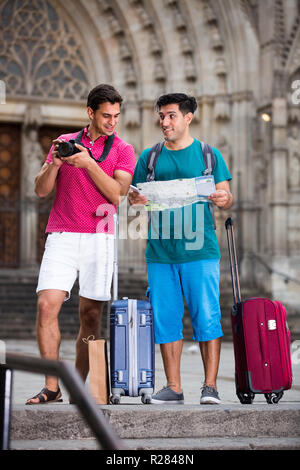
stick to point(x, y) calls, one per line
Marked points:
point(198, 281)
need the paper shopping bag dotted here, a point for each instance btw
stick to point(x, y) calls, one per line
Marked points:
point(98, 364)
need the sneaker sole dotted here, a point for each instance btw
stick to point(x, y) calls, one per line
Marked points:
point(209, 401)
point(166, 402)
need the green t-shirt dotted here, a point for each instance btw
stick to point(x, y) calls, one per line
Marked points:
point(184, 234)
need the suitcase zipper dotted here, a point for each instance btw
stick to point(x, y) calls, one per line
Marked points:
point(284, 341)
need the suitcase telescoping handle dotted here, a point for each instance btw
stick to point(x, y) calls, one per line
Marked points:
point(115, 266)
point(233, 261)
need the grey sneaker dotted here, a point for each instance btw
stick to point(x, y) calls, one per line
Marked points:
point(167, 396)
point(209, 396)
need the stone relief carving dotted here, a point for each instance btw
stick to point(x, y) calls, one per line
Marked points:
point(32, 159)
point(222, 108)
point(260, 156)
point(209, 14)
point(260, 165)
point(32, 151)
point(154, 47)
point(226, 151)
point(291, 49)
point(250, 10)
point(143, 14)
point(187, 49)
point(132, 110)
point(222, 102)
point(132, 118)
point(295, 60)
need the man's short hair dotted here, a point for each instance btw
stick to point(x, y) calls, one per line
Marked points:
point(186, 104)
point(102, 94)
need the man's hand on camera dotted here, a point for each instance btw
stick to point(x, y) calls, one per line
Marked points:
point(136, 198)
point(55, 156)
point(79, 160)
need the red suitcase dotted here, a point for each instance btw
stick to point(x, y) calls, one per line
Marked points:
point(261, 340)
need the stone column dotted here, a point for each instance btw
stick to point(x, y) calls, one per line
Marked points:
point(150, 129)
point(245, 208)
point(280, 260)
point(32, 155)
point(279, 178)
point(207, 105)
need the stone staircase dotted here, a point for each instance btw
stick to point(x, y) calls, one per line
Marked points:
point(18, 308)
point(230, 426)
point(190, 427)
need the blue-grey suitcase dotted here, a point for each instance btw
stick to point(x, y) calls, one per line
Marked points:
point(132, 358)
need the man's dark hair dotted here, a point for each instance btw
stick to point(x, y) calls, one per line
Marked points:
point(102, 94)
point(186, 104)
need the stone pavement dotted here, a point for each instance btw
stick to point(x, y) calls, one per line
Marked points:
point(28, 384)
point(248, 422)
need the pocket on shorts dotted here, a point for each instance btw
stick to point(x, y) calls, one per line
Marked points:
point(148, 293)
point(51, 237)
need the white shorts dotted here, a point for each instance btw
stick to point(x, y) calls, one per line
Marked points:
point(67, 254)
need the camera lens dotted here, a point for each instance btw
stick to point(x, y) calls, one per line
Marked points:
point(65, 149)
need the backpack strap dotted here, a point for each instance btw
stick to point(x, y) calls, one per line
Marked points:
point(108, 145)
point(209, 158)
point(152, 159)
point(209, 161)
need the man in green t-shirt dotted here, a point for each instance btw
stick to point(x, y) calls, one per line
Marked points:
point(186, 261)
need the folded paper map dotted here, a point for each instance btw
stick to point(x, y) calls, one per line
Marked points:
point(177, 193)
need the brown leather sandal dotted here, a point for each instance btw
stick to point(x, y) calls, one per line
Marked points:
point(51, 397)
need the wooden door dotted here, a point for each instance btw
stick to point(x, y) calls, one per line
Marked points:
point(10, 170)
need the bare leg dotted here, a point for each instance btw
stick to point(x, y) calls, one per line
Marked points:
point(171, 354)
point(48, 333)
point(210, 352)
point(90, 312)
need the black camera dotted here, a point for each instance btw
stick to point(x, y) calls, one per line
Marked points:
point(66, 149)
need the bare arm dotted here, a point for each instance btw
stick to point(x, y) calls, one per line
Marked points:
point(112, 188)
point(222, 198)
point(46, 178)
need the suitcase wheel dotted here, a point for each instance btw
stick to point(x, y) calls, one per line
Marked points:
point(273, 397)
point(146, 399)
point(245, 398)
point(115, 399)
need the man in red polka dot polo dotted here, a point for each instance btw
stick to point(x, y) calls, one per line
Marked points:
point(89, 185)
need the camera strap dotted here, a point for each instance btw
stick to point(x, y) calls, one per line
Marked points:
point(108, 145)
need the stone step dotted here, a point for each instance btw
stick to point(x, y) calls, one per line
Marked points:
point(18, 308)
point(22, 325)
point(217, 443)
point(63, 422)
point(190, 426)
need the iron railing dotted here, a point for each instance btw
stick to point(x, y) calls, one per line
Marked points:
point(287, 278)
point(101, 429)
